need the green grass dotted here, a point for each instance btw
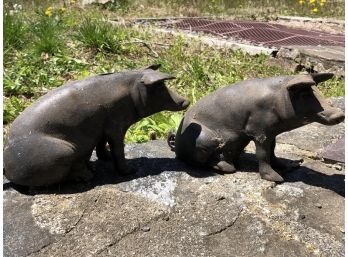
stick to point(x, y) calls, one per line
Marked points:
point(47, 33)
point(99, 35)
point(13, 106)
point(93, 46)
point(265, 9)
point(15, 30)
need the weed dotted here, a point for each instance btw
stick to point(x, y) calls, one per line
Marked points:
point(100, 35)
point(31, 76)
point(48, 36)
point(15, 30)
point(333, 87)
point(155, 126)
point(13, 106)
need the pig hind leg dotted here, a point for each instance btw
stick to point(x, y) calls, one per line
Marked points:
point(195, 144)
point(209, 149)
point(38, 161)
point(234, 147)
point(198, 145)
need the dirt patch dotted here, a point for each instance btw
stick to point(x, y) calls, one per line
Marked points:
point(326, 25)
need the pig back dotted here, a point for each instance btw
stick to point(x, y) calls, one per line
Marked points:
point(229, 107)
point(71, 110)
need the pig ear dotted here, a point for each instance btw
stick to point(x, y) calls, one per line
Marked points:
point(320, 77)
point(152, 77)
point(300, 81)
point(153, 67)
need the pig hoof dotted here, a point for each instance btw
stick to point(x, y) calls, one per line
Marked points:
point(224, 167)
point(274, 176)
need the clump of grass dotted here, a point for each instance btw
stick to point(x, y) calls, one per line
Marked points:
point(100, 35)
point(48, 34)
point(15, 31)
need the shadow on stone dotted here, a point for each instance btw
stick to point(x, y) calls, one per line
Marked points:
point(311, 177)
point(104, 175)
point(335, 182)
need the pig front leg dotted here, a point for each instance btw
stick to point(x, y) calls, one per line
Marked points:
point(281, 165)
point(115, 141)
point(101, 151)
point(264, 151)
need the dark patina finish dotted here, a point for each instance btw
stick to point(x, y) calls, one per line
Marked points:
point(52, 140)
point(217, 128)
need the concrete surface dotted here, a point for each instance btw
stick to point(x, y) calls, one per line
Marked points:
point(170, 209)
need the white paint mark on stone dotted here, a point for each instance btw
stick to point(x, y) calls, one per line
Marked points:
point(287, 190)
point(157, 188)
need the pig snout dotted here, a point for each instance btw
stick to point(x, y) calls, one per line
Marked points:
point(331, 116)
point(184, 104)
point(178, 102)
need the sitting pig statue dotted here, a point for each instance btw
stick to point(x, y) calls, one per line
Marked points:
point(52, 140)
point(217, 128)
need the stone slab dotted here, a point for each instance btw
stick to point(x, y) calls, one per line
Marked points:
point(335, 152)
point(311, 58)
point(170, 209)
point(22, 236)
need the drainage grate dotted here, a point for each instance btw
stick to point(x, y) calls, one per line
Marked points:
point(260, 33)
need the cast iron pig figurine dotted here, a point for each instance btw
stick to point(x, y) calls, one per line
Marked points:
point(53, 139)
point(218, 127)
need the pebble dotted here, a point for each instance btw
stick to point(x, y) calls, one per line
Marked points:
point(145, 229)
point(342, 230)
point(220, 197)
point(302, 216)
point(203, 233)
point(338, 167)
point(318, 205)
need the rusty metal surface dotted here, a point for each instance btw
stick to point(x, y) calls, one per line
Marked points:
point(260, 33)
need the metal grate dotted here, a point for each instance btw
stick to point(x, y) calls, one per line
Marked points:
point(260, 33)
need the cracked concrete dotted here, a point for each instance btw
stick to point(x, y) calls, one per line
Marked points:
point(170, 209)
